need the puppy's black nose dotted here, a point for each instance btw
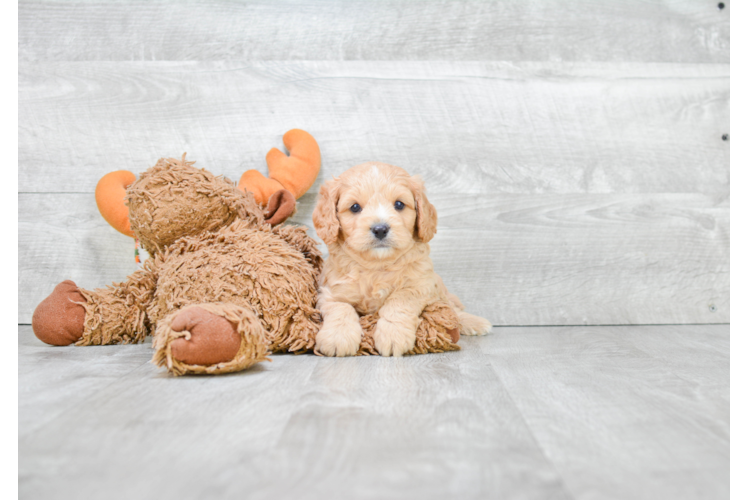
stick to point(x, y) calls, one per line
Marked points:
point(380, 231)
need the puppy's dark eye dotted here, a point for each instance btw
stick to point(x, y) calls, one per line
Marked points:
point(399, 205)
point(355, 208)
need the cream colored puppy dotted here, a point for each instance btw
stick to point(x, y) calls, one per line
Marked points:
point(377, 222)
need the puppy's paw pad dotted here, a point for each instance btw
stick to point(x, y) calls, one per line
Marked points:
point(390, 340)
point(338, 341)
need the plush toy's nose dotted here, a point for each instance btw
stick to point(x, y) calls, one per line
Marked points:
point(380, 231)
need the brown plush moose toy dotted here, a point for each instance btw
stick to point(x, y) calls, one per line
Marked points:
point(225, 284)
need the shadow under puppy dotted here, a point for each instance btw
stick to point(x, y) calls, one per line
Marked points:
point(377, 222)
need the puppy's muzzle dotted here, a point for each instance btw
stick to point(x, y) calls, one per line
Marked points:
point(380, 231)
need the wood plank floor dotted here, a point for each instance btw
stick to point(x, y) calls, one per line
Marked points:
point(631, 412)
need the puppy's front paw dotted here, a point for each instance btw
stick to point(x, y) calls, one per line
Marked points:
point(392, 339)
point(473, 325)
point(338, 338)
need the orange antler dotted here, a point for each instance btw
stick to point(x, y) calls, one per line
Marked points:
point(110, 198)
point(295, 172)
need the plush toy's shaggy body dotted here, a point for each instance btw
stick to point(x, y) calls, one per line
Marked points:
point(435, 333)
point(253, 277)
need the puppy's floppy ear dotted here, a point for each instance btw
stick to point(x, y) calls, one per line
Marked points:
point(325, 215)
point(425, 211)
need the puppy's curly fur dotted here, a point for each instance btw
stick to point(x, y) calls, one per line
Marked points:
point(377, 221)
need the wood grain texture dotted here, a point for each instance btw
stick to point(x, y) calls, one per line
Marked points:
point(57, 380)
point(573, 413)
point(299, 427)
point(739, 394)
point(468, 127)
point(738, 242)
point(737, 78)
point(514, 259)
point(736, 27)
point(625, 412)
point(527, 30)
point(587, 259)
point(737, 82)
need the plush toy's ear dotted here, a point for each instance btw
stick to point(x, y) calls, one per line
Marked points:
point(325, 215)
point(281, 206)
point(425, 211)
point(110, 198)
point(296, 172)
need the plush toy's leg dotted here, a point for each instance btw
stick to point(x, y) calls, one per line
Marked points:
point(210, 338)
point(434, 334)
point(58, 319)
point(117, 314)
point(112, 315)
point(438, 331)
point(298, 333)
point(297, 237)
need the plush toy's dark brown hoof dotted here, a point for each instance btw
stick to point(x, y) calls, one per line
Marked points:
point(455, 334)
point(213, 338)
point(58, 320)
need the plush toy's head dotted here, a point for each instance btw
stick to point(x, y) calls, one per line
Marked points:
point(174, 199)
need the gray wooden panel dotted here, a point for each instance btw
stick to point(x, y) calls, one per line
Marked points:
point(574, 412)
point(587, 259)
point(737, 78)
point(468, 127)
point(515, 259)
point(739, 393)
point(625, 412)
point(739, 231)
point(515, 30)
point(736, 26)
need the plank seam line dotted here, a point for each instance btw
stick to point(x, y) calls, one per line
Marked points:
point(611, 324)
point(530, 430)
point(579, 325)
point(64, 411)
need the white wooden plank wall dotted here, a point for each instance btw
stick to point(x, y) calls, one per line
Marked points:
point(737, 77)
point(688, 31)
point(573, 149)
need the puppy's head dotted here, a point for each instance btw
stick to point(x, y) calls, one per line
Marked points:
point(376, 210)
